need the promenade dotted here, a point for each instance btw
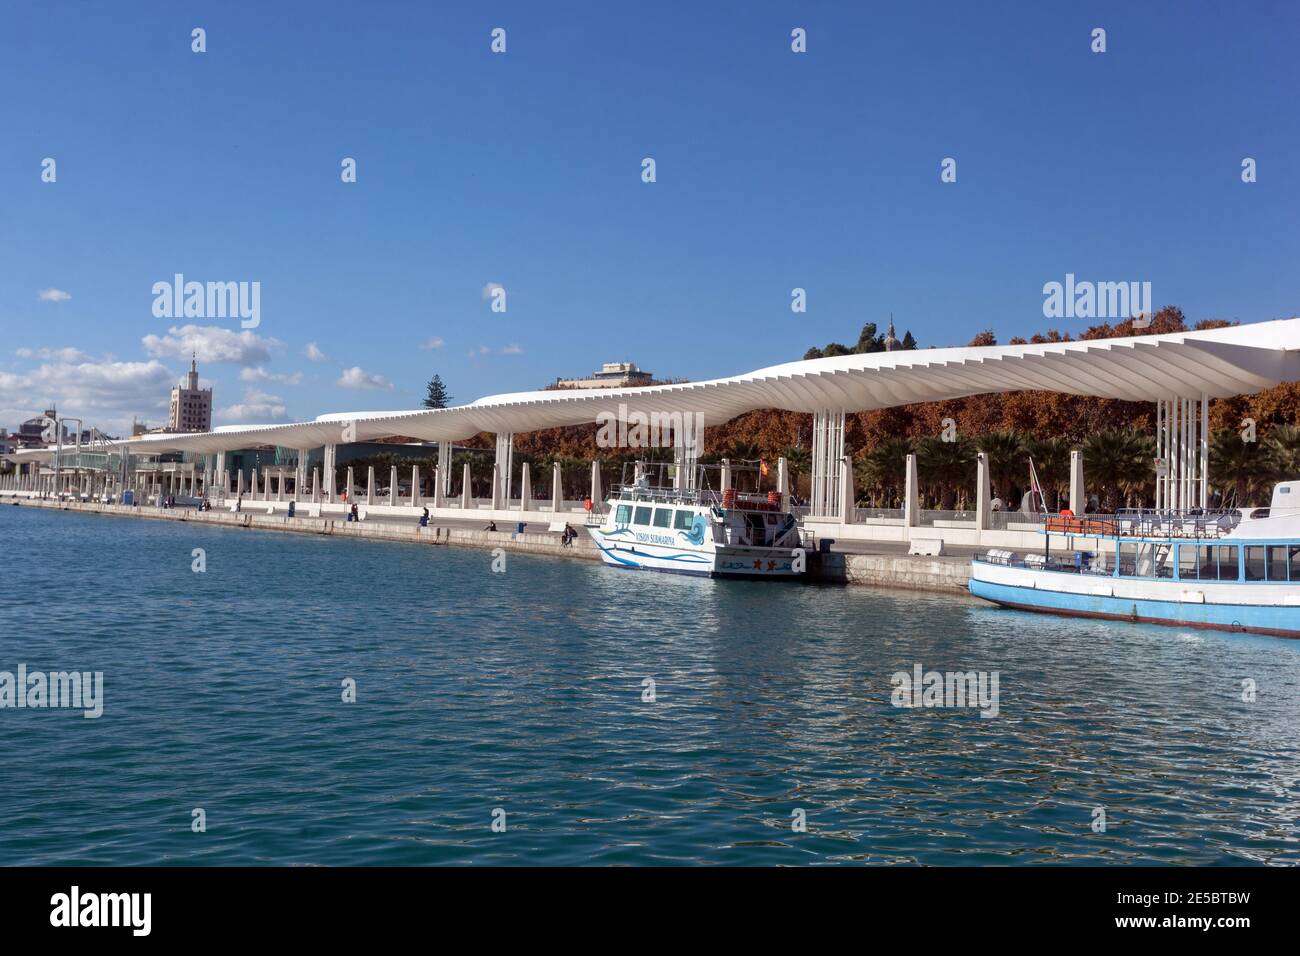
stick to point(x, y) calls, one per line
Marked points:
point(854, 562)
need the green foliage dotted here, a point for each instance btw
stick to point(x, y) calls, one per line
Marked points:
point(869, 340)
point(437, 396)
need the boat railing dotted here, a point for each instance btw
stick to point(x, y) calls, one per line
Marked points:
point(658, 494)
point(1146, 523)
point(664, 495)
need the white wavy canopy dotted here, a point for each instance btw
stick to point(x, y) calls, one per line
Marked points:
point(1219, 363)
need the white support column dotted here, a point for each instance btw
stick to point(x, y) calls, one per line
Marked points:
point(392, 487)
point(330, 459)
point(828, 447)
point(983, 495)
point(1175, 456)
point(415, 486)
point(783, 482)
point(502, 469)
point(1205, 450)
point(848, 504)
point(595, 486)
point(439, 486)
point(315, 486)
point(444, 470)
point(911, 497)
point(466, 501)
point(557, 489)
point(526, 488)
point(351, 489)
point(1078, 493)
point(1160, 459)
point(370, 485)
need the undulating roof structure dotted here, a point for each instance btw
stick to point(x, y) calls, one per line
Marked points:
point(1216, 363)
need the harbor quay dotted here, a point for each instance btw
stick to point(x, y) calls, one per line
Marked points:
point(878, 562)
point(674, 512)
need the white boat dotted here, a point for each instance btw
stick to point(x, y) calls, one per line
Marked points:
point(699, 532)
point(1233, 571)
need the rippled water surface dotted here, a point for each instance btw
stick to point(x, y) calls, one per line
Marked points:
point(523, 691)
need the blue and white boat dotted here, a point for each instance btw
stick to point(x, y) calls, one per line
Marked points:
point(699, 532)
point(1232, 571)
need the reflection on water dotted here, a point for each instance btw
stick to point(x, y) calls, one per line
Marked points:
point(524, 691)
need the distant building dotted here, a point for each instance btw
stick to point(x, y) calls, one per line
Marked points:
point(39, 431)
point(611, 375)
point(191, 408)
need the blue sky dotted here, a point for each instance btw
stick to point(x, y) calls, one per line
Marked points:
point(775, 170)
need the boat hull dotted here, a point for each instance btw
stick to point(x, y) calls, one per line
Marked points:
point(620, 550)
point(1271, 619)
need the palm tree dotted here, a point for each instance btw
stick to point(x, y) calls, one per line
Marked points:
point(946, 467)
point(797, 460)
point(883, 470)
point(1051, 458)
point(1244, 468)
point(1119, 462)
point(1284, 450)
point(1006, 455)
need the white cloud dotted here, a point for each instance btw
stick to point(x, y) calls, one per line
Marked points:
point(67, 355)
point(433, 343)
point(211, 343)
point(106, 394)
point(356, 377)
point(512, 349)
point(258, 374)
point(53, 295)
point(314, 353)
point(490, 288)
point(256, 407)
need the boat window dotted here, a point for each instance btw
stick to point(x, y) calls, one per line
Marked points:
point(642, 515)
point(1255, 563)
point(684, 520)
point(1163, 560)
point(623, 515)
point(663, 517)
point(1188, 563)
point(1228, 562)
point(1207, 562)
point(1277, 562)
point(1294, 550)
point(1144, 560)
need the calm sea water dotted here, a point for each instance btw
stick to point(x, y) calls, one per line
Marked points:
point(522, 691)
